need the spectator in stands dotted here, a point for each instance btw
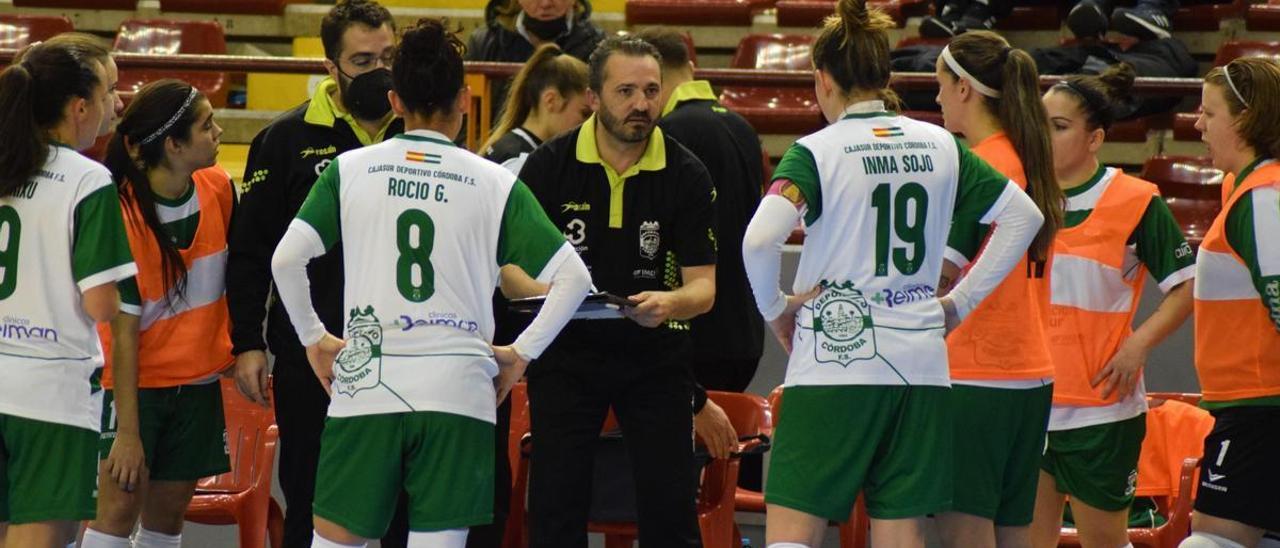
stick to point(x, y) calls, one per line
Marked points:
point(1001, 370)
point(655, 247)
point(955, 17)
point(728, 340)
point(514, 28)
point(1125, 229)
point(1237, 310)
point(1146, 20)
point(547, 97)
point(348, 110)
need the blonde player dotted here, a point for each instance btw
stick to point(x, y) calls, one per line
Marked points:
point(62, 250)
point(425, 227)
point(867, 398)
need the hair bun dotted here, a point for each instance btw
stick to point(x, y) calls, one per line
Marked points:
point(1118, 79)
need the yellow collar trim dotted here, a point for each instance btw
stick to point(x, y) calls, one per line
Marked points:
point(588, 152)
point(324, 112)
point(693, 90)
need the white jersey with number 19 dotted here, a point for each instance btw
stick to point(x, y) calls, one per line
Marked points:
point(882, 192)
point(424, 227)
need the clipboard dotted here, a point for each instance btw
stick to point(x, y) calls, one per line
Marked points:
point(596, 306)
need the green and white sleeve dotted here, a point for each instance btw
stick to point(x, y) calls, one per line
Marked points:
point(528, 239)
point(313, 232)
point(981, 191)
point(1162, 247)
point(799, 166)
point(99, 245)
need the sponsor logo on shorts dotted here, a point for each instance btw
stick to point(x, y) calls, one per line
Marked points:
point(359, 363)
point(1214, 478)
point(445, 319)
point(650, 239)
point(20, 329)
point(842, 325)
point(1132, 487)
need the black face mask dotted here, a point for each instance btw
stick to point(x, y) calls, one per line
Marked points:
point(546, 30)
point(365, 96)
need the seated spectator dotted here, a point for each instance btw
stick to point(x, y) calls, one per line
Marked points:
point(955, 17)
point(514, 28)
point(1147, 20)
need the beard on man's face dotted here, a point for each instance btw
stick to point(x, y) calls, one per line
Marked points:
point(635, 128)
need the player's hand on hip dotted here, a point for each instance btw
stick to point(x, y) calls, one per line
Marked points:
point(652, 308)
point(251, 376)
point(784, 326)
point(1122, 373)
point(321, 355)
point(713, 426)
point(511, 367)
point(127, 463)
point(951, 317)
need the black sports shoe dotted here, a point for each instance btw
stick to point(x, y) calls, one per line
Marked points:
point(1146, 21)
point(944, 24)
point(977, 17)
point(1087, 20)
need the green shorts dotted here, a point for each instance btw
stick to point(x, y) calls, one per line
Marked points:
point(47, 471)
point(444, 462)
point(1097, 465)
point(888, 442)
point(999, 437)
point(184, 433)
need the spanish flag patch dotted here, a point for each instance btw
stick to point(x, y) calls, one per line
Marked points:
point(424, 157)
point(887, 131)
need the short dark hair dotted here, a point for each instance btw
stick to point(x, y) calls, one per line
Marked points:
point(671, 46)
point(626, 45)
point(347, 13)
point(427, 73)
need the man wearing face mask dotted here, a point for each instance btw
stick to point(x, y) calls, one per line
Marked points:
point(514, 28)
point(348, 110)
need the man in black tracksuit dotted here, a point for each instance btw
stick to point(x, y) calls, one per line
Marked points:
point(284, 161)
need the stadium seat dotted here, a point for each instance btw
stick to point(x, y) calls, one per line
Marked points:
point(1167, 469)
point(129, 5)
point(1184, 126)
point(514, 535)
point(1207, 15)
point(167, 37)
point(1235, 49)
point(811, 13)
point(16, 31)
point(1263, 17)
point(853, 533)
point(249, 7)
point(1034, 17)
point(778, 110)
point(693, 12)
point(243, 496)
point(1191, 187)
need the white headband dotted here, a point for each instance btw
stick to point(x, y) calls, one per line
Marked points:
point(173, 119)
point(961, 72)
point(1226, 72)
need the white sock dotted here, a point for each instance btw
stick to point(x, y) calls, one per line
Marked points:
point(1208, 540)
point(97, 539)
point(150, 539)
point(452, 538)
point(318, 541)
point(787, 545)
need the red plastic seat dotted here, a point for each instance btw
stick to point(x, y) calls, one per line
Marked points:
point(1263, 17)
point(1184, 126)
point(1034, 17)
point(1207, 16)
point(780, 110)
point(243, 496)
point(17, 31)
point(811, 13)
point(129, 5)
point(1171, 453)
point(1236, 49)
point(1192, 188)
point(250, 7)
point(166, 37)
point(694, 12)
